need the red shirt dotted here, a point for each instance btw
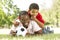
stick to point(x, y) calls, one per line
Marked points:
point(39, 17)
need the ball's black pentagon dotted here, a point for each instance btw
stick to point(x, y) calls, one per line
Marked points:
point(22, 29)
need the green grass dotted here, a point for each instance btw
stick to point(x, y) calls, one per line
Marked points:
point(32, 37)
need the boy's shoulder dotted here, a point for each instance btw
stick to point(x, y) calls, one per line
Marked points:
point(39, 14)
point(32, 22)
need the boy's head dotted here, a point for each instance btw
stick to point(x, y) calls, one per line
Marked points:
point(33, 8)
point(24, 17)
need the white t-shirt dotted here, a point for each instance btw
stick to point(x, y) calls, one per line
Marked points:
point(33, 27)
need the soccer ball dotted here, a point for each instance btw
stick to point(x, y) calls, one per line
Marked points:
point(21, 31)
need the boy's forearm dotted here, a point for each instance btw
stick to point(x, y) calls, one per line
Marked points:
point(12, 32)
point(14, 21)
point(39, 23)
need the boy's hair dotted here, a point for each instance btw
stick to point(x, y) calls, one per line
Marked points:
point(23, 13)
point(33, 6)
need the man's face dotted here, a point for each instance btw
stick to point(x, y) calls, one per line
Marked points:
point(34, 12)
point(25, 19)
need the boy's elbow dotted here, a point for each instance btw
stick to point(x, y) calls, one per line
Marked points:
point(42, 25)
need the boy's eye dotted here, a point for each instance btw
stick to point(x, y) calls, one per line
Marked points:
point(33, 12)
point(22, 20)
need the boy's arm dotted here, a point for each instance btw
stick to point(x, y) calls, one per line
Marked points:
point(14, 21)
point(12, 33)
point(36, 28)
point(38, 22)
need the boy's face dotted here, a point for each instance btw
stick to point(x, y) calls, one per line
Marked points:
point(34, 12)
point(25, 19)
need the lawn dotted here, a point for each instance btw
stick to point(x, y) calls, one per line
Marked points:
point(32, 37)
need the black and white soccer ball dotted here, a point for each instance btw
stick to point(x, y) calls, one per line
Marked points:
point(21, 31)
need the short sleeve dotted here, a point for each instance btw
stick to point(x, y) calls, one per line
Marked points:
point(39, 17)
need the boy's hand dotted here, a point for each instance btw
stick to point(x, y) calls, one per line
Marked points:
point(16, 23)
point(13, 33)
point(33, 17)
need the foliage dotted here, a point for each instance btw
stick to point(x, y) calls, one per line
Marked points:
point(8, 12)
point(11, 13)
point(52, 16)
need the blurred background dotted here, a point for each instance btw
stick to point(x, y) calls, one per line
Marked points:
point(49, 9)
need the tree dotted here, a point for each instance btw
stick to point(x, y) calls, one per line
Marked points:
point(6, 18)
point(52, 16)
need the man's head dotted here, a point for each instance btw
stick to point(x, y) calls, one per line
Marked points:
point(33, 8)
point(24, 18)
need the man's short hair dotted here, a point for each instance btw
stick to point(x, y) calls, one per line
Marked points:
point(33, 6)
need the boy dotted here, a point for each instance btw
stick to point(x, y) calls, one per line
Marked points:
point(31, 26)
point(35, 15)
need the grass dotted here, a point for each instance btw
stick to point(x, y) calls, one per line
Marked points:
point(32, 37)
